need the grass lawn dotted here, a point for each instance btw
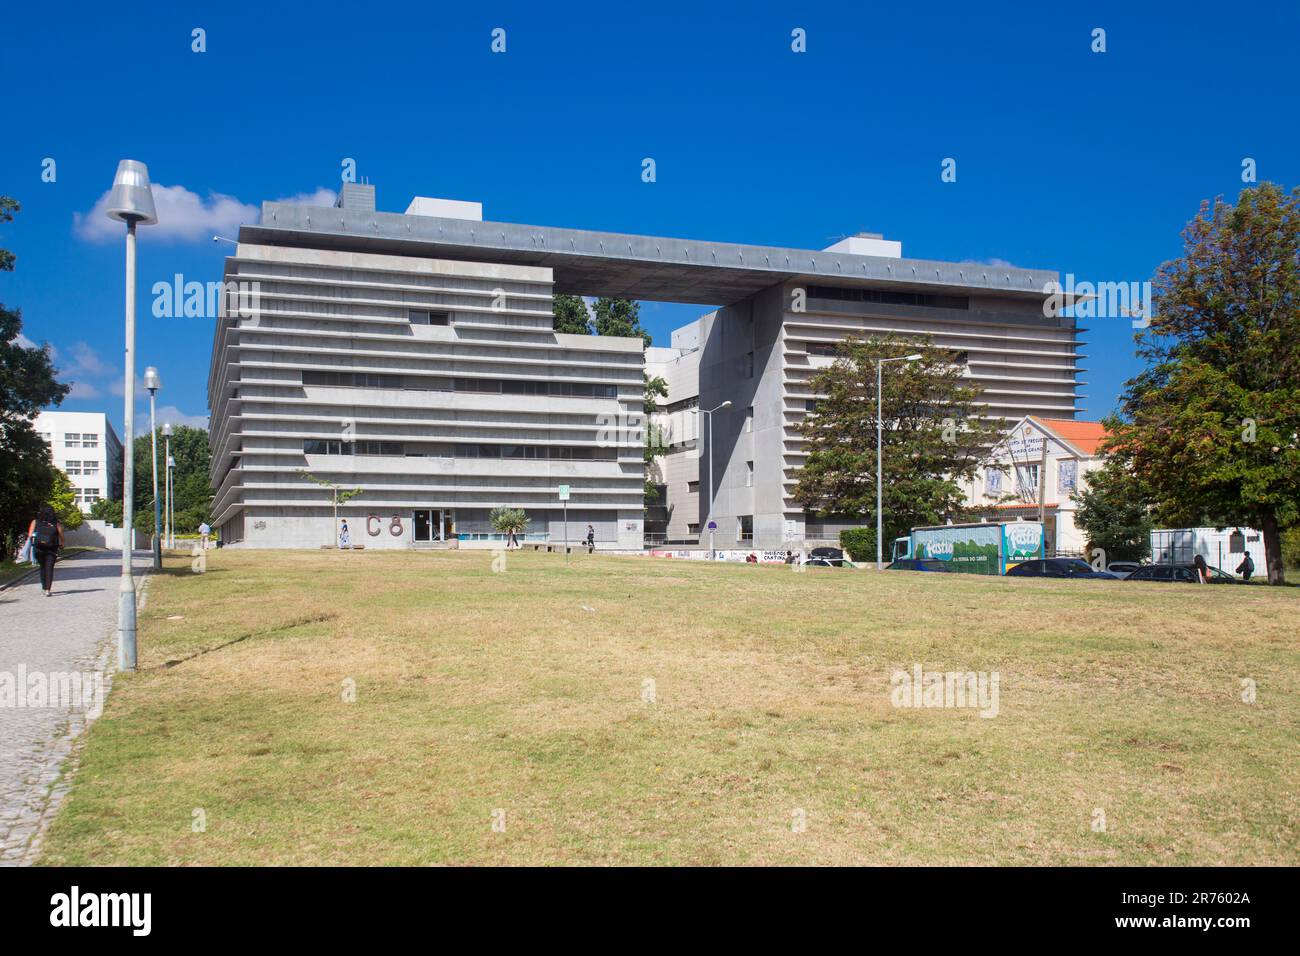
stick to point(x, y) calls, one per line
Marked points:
point(522, 692)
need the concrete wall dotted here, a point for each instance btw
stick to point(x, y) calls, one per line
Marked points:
point(99, 534)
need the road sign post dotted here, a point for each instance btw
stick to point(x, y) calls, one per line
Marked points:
point(564, 497)
point(713, 526)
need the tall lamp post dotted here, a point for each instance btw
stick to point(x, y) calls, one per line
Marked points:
point(153, 383)
point(708, 420)
point(167, 484)
point(880, 424)
point(131, 202)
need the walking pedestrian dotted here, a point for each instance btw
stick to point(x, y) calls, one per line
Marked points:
point(46, 534)
point(591, 539)
point(204, 531)
point(345, 538)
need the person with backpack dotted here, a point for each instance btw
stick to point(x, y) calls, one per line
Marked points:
point(1247, 567)
point(46, 534)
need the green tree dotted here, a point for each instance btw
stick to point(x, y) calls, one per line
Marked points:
point(1111, 512)
point(571, 315)
point(655, 389)
point(619, 317)
point(1210, 427)
point(190, 481)
point(932, 441)
point(107, 510)
point(338, 496)
point(508, 520)
point(27, 384)
point(63, 499)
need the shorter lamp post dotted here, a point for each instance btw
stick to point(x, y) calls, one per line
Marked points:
point(708, 420)
point(880, 424)
point(167, 483)
point(152, 382)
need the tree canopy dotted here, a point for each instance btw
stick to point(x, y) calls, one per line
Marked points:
point(1209, 429)
point(932, 438)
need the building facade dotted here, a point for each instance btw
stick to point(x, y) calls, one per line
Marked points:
point(413, 356)
point(437, 387)
point(1040, 460)
point(84, 447)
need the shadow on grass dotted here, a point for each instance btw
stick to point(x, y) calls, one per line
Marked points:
point(286, 626)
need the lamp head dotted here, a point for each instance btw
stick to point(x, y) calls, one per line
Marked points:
point(167, 430)
point(151, 379)
point(726, 404)
point(132, 199)
point(915, 356)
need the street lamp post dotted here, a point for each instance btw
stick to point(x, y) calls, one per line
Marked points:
point(880, 424)
point(131, 202)
point(167, 484)
point(708, 415)
point(153, 383)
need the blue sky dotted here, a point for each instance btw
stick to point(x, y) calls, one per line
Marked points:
point(1066, 159)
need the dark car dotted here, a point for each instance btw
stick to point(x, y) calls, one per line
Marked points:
point(1179, 574)
point(917, 564)
point(1058, 568)
point(825, 558)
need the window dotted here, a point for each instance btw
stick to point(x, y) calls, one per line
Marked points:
point(749, 474)
point(692, 487)
point(745, 528)
point(378, 448)
point(822, 348)
point(749, 419)
point(888, 298)
point(749, 364)
point(322, 446)
point(72, 440)
point(72, 467)
point(89, 440)
point(993, 483)
point(90, 468)
point(1027, 482)
point(693, 528)
point(428, 317)
point(810, 404)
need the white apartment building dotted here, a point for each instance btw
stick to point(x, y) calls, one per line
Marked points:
point(84, 446)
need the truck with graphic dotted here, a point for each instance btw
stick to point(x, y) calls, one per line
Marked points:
point(985, 547)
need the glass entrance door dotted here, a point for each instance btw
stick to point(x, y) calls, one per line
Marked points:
point(428, 525)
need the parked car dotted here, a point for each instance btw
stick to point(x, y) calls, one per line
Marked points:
point(825, 558)
point(1122, 569)
point(1058, 568)
point(1179, 574)
point(918, 564)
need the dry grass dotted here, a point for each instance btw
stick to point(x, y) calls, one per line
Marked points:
point(478, 691)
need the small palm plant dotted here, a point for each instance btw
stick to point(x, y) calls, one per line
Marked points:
point(509, 521)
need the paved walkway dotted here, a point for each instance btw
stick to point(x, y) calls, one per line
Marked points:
point(74, 631)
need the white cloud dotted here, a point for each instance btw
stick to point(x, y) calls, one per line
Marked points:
point(24, 342)
point(185, 216)
point(171, 415)
point(82, 389)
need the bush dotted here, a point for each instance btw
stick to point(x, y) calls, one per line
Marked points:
point(859, 543)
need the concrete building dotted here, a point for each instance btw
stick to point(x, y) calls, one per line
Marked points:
point(1044, 459)
point(388, 352)
point(84, 446)
point(436, 386)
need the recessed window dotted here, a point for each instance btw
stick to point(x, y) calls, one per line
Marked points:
point(749, 419)
point(749, 474)
point(428, 317)
point(693, 487)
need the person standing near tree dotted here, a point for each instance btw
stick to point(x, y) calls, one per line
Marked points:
point(204, 530)
point(46, 534)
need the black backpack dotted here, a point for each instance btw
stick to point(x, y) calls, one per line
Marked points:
point(47, 535)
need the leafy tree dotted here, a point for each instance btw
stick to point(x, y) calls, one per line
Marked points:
point(655, 389)
point(338, 495)
point(619, 317)
point(1110, 510)
point(63, 499)
point(107, 510)
point(190, 483)
point(571, 315)
point(27, 384)
point(932, 438)
point(1210, 428)
point(508, 520)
